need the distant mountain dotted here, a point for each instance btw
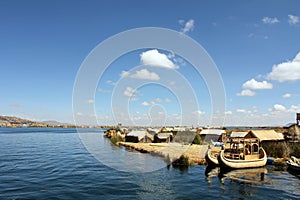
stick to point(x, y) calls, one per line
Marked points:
point(53, 122)
point(8, 121)
point(14, 120)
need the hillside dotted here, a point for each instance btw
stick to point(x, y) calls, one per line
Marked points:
point(8, 121)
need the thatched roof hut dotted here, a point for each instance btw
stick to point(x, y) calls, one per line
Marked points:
point(138, 136)
point(267, 135)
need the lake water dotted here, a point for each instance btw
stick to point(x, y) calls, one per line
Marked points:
point(50, 163)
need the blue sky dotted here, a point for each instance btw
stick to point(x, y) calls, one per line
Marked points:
point(254, 44)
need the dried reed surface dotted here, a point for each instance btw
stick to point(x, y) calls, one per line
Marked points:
point(171, 151)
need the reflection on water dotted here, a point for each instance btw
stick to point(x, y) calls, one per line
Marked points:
point(256, 183)
point(293, 172)
point(251, 176)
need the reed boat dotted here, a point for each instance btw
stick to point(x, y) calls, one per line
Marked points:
point(242, 153)
point(293, 164)
point(211, 158)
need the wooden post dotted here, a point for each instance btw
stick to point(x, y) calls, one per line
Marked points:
point(298, 119)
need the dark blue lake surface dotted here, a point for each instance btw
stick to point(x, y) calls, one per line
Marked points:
point(49, 163)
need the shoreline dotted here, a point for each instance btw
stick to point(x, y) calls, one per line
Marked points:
point(171, 152)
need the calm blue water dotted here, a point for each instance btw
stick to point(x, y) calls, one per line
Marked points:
point(54, 164)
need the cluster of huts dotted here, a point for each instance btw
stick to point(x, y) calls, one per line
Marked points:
point(149, 135)
point(208, 135)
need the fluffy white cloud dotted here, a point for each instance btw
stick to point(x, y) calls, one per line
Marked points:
point(124, 74)
point(295, 109)
point(287, 95)
point(188, 26)
point(228, 112)
point(145, 74)
point(286, 71)
point(241, 110)
point(269, 20)
point(278, 108)
point(246, 93)
point(256, 85)
point(129, 91)
point(293, 19)
point(145, 103)
point(155, 59)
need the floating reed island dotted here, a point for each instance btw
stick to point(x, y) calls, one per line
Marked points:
point(195, 154)
point(191, 144)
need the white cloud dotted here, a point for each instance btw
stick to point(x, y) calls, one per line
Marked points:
point(256, 85)
point(269, 20)
point(146, 75)
point(124, 74)
point(145, 103)
point(287, 95)
point(295, 109)
point(155, 59)
point(278, 108)
point(228, 112)
point(199, 112)
point(90, 101)
point(246, 93)
point(188, 26)
point(286, 71)
point(241, 110)
point(293, 19)
point(129, 91)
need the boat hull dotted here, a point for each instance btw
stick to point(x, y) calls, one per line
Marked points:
point(293, 167)
point(211, 161)
point(227, 163)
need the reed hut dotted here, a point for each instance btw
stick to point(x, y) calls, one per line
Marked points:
point(139, 136)
point(216, 135)
point(268, 136)
point(163, 137)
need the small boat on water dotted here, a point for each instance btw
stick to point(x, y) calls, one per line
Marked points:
point(242, 153)
point(293, 164)
point(211, 157)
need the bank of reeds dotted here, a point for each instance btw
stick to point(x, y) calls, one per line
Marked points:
point(116, 138)
point(282, 149)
